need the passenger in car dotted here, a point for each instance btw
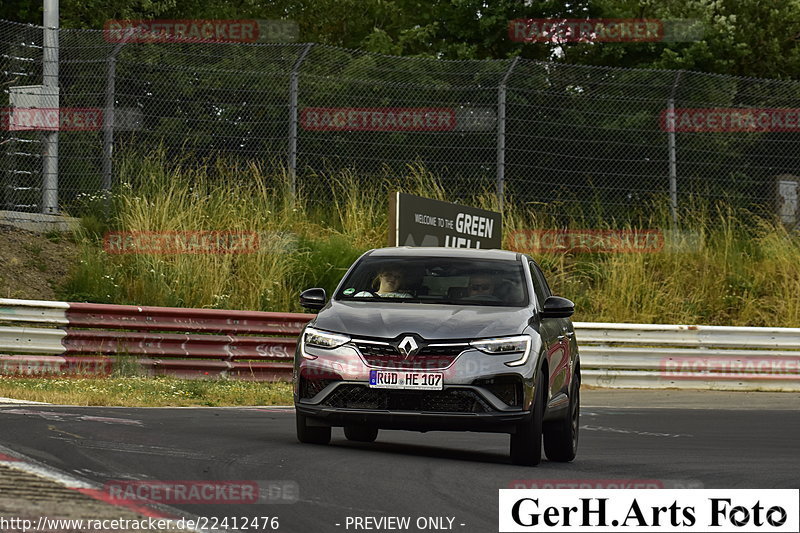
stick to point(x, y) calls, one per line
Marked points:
point(480, 285)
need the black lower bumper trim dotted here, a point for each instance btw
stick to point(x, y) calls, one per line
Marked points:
point(415, 421)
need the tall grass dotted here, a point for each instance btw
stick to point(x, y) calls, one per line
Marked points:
point(720, 266)
point(308, 239)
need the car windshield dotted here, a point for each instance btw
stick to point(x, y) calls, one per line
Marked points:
point(436, 280)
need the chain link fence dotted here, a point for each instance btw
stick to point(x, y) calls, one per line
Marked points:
point(572, 140)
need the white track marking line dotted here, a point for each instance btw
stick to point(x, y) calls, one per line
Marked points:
point(15, 401)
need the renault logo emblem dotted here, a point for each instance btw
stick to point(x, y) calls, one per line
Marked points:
point(408, 346)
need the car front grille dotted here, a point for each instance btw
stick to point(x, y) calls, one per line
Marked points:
point(444, 401)
point(384, 355)
point(376, 350)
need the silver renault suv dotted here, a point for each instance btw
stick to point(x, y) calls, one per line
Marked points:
point(429, 339)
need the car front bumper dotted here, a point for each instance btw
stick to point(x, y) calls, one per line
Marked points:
point(501, 422)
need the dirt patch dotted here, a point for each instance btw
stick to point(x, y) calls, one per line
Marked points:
point(34, 265)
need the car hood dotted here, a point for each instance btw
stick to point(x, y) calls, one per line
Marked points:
point(431, 321)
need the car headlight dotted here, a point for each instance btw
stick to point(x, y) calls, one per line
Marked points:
point(323, 339)
point(520, 344)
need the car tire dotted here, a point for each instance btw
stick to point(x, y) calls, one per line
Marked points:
point(361, 433)
point(561, 437)
point(311, 434)
point(526, 443)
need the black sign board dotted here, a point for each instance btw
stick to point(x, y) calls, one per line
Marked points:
point(417, 221)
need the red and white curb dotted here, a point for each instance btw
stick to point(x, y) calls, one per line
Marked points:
point(17, 461)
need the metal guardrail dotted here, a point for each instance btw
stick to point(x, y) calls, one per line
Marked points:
point(260, 345)
point(689, 357)
point(86, 338)
point(695, 336)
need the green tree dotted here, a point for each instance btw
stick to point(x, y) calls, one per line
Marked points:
point(740, 37)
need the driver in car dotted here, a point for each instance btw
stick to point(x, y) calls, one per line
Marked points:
point(388, 282)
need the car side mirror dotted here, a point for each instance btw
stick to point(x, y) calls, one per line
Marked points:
point(557, 307)
point(313, 298)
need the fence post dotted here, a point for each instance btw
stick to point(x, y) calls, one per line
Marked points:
point(501, 134)
point(673, 164)
point(108, 122)
point(50, 91)
point(293, 90)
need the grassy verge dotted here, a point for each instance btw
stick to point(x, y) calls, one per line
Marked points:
point(720, 266)
point(146, 391)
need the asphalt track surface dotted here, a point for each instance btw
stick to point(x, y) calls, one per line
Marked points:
point(633, 438)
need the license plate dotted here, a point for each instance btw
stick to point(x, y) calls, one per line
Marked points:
point(408, 380)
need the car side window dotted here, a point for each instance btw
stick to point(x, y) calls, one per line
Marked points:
point(539, 284)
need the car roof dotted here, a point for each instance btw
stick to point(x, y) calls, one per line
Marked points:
point(422, 251)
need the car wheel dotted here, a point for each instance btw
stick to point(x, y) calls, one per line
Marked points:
point(526, 443)
point(561, 437)
point(361, 433)
point(311, 434)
